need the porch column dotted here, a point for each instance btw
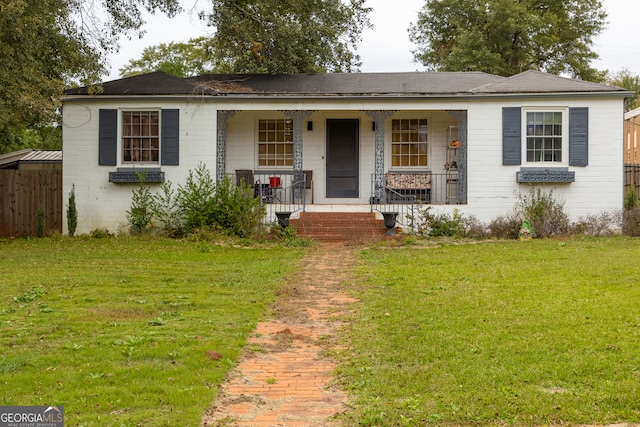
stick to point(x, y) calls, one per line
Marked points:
point(379, 116)
point(221, 142)
point(297, 116)
point(461, 117)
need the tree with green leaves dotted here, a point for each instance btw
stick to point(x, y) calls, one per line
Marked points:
point(47, 45)
point(629, 81)
point(180, 59)
point(292, 36)
point(506, 37)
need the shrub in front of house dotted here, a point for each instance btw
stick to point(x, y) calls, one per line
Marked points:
point(432, 224)
point(167, 212)
point(72, 212)
point(505, 227)
point(203, 203)
point(235, 209)
point(199, 204)
point(631, 222)
point(544, 212)
point(140, 215)
point(598, 225)
point(630, 199)
point(195, 197)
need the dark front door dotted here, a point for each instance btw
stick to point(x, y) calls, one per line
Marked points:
point(343, 137)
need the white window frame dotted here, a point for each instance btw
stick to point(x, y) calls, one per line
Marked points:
point(121, 134)
point(564, 140)
point(427, 142)
point(276, 159)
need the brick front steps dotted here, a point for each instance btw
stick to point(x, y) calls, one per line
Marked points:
point(339, 226)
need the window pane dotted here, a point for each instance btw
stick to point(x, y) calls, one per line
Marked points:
point(136, 124)
point(275, 142)
point(409, 155)
point(544, 136)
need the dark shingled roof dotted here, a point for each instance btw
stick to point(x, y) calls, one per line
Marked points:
point(351, 83)
point(157, 83)
point(346, 84)
point(537, 82)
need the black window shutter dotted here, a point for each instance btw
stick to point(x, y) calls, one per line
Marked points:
point(170, 138)
point(108, 137)
point(511, 136)
point(579, 136)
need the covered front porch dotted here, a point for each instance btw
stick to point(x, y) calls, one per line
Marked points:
point(348, 161)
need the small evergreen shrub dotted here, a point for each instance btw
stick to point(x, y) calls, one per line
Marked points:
point(235, 209)
point(196, 197)
point(630, 199)
point(140, 214)
point(165, 210)
point(203, 203)
point(72, 213)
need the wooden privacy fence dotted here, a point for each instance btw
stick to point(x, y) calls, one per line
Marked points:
point(632, 178)
point(22, 195)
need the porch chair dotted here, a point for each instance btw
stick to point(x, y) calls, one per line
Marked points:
point(244, 175)
point(260, 189)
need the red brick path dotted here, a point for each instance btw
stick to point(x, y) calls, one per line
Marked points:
point(285, 377)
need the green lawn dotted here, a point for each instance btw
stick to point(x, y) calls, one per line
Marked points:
point(128, 332)
point(496, 333)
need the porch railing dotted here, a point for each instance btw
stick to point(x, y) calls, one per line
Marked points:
point(391, 202)
point(280, 193)
point(442, 189)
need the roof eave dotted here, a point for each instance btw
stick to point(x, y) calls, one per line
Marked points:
point(359, 97)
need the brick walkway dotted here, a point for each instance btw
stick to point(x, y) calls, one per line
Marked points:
point(285, 377)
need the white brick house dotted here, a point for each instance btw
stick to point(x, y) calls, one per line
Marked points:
point(469, 141)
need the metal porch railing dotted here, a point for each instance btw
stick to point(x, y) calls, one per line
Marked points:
point(280, 193)
point(443, 189)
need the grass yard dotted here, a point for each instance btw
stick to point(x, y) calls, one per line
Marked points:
point(128, 332)
point(498, 333)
